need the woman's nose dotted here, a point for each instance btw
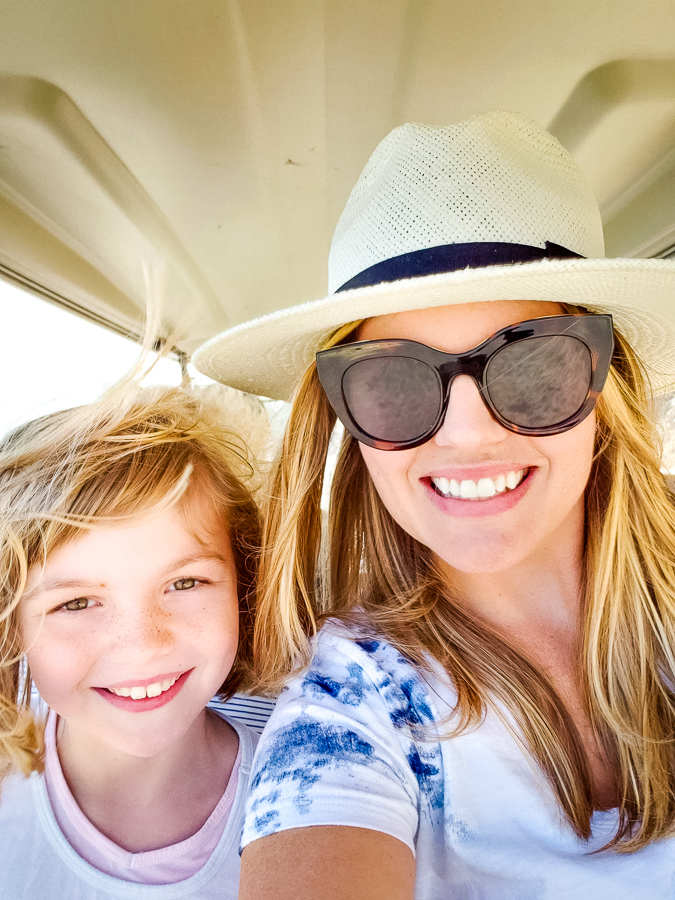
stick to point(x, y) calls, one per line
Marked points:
point(468, 422)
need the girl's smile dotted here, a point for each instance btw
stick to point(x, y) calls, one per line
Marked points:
point(142, 697)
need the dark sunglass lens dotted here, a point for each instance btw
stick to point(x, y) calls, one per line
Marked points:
point(541, 381)
point(395, 398)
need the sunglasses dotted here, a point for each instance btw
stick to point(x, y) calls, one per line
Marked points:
point(538, 377)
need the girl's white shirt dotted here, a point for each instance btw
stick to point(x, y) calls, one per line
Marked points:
point(36, 859)
point(162, 866)
point(355, 741)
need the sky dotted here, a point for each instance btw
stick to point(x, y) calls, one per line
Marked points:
point(52, 359)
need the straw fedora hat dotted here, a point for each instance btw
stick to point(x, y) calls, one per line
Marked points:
point(493, 208)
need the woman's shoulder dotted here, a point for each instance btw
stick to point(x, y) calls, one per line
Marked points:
point(355, 666)
point(341, 746)
point(356, 642)
point(357, 632)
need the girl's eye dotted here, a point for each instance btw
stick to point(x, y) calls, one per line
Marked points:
point(76, 605)
point(185, 584)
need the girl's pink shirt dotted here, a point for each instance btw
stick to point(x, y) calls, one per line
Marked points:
point(166, 865)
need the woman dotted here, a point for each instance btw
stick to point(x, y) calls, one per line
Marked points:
point(489, 711)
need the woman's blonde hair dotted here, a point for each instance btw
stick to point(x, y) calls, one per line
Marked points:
point(133, 452)
point(626, 660)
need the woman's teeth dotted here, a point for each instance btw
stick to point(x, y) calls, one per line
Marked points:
point(151, 690)
point(482, 489)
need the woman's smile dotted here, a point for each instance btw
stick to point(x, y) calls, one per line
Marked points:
point(464, 496)
point(477, 486)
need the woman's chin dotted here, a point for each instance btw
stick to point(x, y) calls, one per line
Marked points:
point(480, 558)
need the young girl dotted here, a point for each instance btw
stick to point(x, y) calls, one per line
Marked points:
point(128, 554)
point(490, 711)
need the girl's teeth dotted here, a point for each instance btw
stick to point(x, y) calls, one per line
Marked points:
point(152, 690)
point(483, 489)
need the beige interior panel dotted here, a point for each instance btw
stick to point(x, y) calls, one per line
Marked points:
point(33, 257)
point(619, 122)
point(60, 173)
point(219, 139)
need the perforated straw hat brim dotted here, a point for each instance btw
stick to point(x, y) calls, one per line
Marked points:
point(458, 209)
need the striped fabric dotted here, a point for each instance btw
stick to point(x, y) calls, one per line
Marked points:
point(252, 711)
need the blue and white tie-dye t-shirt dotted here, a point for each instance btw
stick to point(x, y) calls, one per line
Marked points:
point(354, 741)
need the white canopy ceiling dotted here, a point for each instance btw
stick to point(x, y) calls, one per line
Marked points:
point(218, 139)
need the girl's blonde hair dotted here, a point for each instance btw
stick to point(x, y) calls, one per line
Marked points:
point(134, 452)
point(626, 660)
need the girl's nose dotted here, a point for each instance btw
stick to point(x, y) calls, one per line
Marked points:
point(468, 422)
point(145, 628)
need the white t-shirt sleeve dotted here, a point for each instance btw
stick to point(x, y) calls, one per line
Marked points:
point(340, 749)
